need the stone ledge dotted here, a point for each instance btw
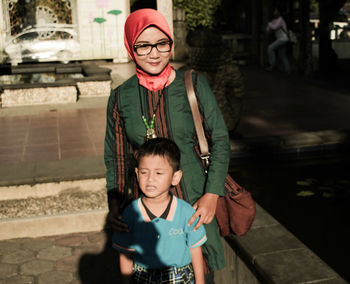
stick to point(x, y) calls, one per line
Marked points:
point(97, 82)
point(38, 96)
point(84, 221)
point(48, 189)
point(274, 255)
point(40, 68)
point(60, 83)
point(53, 171)
point(94, 88)
point(294, 266)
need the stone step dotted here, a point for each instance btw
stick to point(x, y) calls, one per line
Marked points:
point(51, 225)
point(52, 208)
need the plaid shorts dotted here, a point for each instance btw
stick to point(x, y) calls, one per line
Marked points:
point(171, 275)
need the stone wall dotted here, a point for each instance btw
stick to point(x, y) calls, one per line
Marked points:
point(38, 96)
point(95, 82)
point(180, 45)
point(94, 88)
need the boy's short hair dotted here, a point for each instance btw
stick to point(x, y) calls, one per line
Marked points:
point(161, 147)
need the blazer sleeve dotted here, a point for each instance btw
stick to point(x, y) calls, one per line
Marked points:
point(115, 148)
point(219, 140)
point(123, 241)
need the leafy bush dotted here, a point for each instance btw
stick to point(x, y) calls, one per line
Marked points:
point(199, 13)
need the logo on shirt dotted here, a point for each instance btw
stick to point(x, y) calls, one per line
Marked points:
point(174, 232)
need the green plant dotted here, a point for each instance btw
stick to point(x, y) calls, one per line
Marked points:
point(199, 13)
point(132, 2)
point(314, 6)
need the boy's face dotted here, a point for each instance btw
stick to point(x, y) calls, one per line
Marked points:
point(155, 176)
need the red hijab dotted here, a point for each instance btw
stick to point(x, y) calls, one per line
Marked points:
point(135, 24)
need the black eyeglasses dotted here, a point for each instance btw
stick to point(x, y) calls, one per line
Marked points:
point(146, 48)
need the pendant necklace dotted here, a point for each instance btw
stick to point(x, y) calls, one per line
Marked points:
point(150, 132)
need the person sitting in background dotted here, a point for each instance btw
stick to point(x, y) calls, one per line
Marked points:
point(279, 45)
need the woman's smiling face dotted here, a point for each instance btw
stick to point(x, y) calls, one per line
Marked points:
point(154, 62)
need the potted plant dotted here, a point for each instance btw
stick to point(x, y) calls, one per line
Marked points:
point(200, 22)
point(208, 55)
point(199, 19)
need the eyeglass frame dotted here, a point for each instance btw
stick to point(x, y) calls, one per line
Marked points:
point(170, 42)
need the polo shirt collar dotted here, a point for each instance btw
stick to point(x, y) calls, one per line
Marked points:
point(171, 213)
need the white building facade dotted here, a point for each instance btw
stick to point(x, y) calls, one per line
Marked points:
point(99, 24)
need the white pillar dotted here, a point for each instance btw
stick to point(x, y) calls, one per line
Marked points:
point(2, 30)
point(166, 8)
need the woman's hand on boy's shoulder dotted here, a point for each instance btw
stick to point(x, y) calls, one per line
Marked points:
point(114, 218)
point(205, 209)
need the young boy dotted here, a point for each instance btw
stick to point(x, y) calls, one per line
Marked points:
point(160, 247)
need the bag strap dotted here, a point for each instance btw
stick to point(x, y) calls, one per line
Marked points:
point(192, 99)
point(286, 32)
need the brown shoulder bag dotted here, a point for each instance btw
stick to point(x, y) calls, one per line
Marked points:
point(236, 210)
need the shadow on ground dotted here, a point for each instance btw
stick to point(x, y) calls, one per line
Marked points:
point(100, 268)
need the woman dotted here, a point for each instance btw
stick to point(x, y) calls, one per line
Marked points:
point(279, 27)
point(153, 103)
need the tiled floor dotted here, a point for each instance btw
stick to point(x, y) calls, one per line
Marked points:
point(44, 135)
point(78, 131)
point(52, 135)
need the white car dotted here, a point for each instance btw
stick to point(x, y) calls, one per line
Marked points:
point(44, 43)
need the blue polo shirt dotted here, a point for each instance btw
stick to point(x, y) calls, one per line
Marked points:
point(159, 242)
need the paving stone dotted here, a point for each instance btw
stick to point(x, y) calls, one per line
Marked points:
point(98, 237)
point(54, 253)
point(18, 257)
point(8, 247)
point(7, 270)
point(19, 240)
point(78, 252)
point(69, 263)
point(37, 244)
point(55, 277)
point(18, 280)
point(93, 248)
point(36, 267)
point(71, 241)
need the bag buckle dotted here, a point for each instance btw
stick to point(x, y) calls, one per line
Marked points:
point(206, 159)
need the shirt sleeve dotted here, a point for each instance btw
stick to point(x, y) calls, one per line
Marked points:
point(219, 139)
point(276, 24)
point(194, 238)
point(115, 148)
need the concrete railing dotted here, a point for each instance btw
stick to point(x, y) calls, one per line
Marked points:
point(269, 253)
